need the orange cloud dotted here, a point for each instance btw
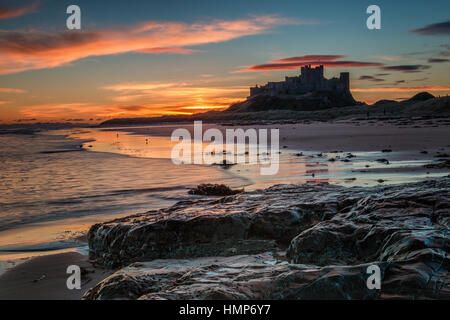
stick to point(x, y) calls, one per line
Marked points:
point(30, 49)
point(143, 87)
point(11, 90)
point(86, 111)
point(168, 50)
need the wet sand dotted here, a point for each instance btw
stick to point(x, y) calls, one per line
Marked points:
point(364, 136)
point(344, 135)
point(317, 152)
point(44, 278)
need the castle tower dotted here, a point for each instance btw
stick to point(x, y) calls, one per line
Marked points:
point(345, 80)
point(320, 70)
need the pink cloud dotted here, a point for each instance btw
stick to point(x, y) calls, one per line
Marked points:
point(330, 61)
point(310, 57)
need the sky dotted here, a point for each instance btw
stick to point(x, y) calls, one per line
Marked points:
point(150, 58)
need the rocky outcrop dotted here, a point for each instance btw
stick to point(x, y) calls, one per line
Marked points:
point(240, 224)
point(332, 234)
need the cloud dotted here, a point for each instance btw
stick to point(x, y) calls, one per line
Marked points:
point(420, 79)
point(9, 12)
point(168, 50)
point(48, 111)
point(392, 58)
point(31, 49)
point(310, 57)
point(177, 94)
point(146, 86)
point(330, 61)
point(11, 90)
point(442, 28)
point(58, 112)
point(406, 68)
point(402, 89)
point(437, 60)
point(370, 78)
point(35, 43)
point(131, 108)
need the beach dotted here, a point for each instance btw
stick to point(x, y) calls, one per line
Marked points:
point(410, 147)
point(44, 278)
point(346, 135)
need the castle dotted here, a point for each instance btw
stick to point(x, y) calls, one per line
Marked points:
point(310, 80)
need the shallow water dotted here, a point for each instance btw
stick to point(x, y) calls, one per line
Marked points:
point(46, 177)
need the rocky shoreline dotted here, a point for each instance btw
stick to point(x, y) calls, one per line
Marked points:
point(308, 241)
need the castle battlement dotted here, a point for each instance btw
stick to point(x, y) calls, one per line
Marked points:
point(310, 80)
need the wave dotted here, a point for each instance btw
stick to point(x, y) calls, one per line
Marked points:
point(46, 246)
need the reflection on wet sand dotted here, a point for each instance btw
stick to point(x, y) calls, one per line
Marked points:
point(346, 168)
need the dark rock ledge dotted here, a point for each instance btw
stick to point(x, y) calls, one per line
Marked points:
point(229, 248)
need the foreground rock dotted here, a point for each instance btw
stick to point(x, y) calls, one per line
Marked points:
point(332, 233)
point(241, 224)
point(262, 277)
